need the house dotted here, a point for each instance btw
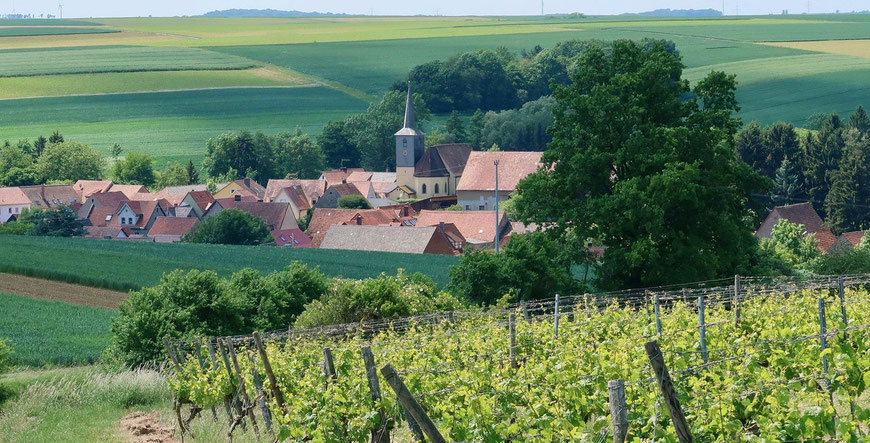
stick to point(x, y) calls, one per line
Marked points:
point(408, 240)
point(312, 189)
point(162, 196)
point(86, 188)
point(105, 233)
point(400, 193)
point(476, 188)
point(324, 218)
point(12, 202)
point(198, 202)
point(802, 214)
point(108, 201)
point(424, 172)
point(171, 229)
point(135, 217)
point(337, 176)
point(50, 196)
point(853, 238)
point(277, 216)
point(295, 196)
point(291, 238)
point(477, 227)
point(243, 187)
point(335, 192)
point(186, 189)
point(130, 190)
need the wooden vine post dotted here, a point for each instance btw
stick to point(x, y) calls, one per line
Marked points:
point(261, 395)
point(702, 328)
point(247, 405)
point(657, 313)
point(512, 330)
point(657, 361)
point(214, 365)
point(236, 404)
point(842, 292)
point(737, 288)
point(556, 318)
point(382, 434)
point(411, 405)
point(202, 367)
point(618, 410)
point(328, 365)
point(273, 382)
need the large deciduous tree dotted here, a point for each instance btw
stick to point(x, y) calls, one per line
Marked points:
point(645, 165)
point(338, 146)
point(249, 155)
point(69, 161)
point(135, 168)
point(296, 155)
point(230, 227)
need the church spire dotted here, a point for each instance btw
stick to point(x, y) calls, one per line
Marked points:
point(410, 118)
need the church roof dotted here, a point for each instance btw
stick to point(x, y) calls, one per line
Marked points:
point(410, 127)
point(443, 160)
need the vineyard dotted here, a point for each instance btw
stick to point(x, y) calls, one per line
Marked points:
point(783, 360)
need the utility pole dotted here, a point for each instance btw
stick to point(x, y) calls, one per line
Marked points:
point(496, 207)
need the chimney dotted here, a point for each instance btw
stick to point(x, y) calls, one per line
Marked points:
point(405, 211)
point(237, 197)
point(441, 226)
point(358, 219)
point(344, 169)
point(247, 183)
point(344, 181)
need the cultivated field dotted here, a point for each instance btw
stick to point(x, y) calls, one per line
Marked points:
point(125, 265)
point(789, 67)
point(44, 332)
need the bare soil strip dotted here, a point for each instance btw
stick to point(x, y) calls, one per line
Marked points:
point(58, 291)
point(142, 427)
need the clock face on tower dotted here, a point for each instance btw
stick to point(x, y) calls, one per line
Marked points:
point(405, 152)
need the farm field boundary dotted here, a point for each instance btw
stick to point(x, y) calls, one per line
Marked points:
point(43, 289)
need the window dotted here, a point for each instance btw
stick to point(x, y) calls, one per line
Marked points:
point(467, 207)
point(436, 188)
point(424, 188)
point(10, 210)
point(404, 142)
point(480, 208)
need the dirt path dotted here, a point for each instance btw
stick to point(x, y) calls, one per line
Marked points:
point(143, 427)
point(57, 291)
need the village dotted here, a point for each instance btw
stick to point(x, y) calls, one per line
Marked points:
point(440, 200)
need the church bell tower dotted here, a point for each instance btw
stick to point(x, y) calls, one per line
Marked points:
point(409, 146)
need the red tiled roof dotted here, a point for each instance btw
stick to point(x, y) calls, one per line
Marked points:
point(50, 195)
point(324, 218)
point(172, 225)
point(13, 196)
point(825, 239)
point(201, 198)
point(854, 238)
point(98, 216)
point(343, 189)
point(443, 160)
point(271, 213)
point(801, 214)
point(359, 176)
point(292, 238)
point(297, 195)
point(476, 225)
point(335, 176)
point(129, 190)
point(363, 187)
point(85, 188)
point(227, 203)
point(479, 173)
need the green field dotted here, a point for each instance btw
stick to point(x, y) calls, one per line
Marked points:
point(124, 265)
point(92, 60)
point(174, 126)
point(32, 31)
point(361, 57)
point(53, 333)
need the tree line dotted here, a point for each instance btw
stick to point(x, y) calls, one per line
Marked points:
point(828, 165)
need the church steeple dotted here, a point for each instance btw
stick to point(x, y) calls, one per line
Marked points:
point(410, 118)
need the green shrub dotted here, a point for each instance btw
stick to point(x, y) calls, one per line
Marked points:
point(353, 201)
point(230, 227)
point(376, 298)
point(199, 304)
point(16, 228)
point(5, 355)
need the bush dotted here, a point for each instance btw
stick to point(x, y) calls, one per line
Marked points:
point(200, 304)
point(376, 298)
point(532, 265)
point(16, 228)
point(230, 227)
point(59, 222)
point(5, 356)
point(353, 201)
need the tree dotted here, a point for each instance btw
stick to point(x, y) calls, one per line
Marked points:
point(822, 152)
point(353, 201)
point(39, 146)
point(116, 151)
point(455, 127)
point(230, 227)
point(338, 146)
point(250, 155)
point(296, 155)
point(192, 173)
point(531, 265)
point(847, 201)
point(55, 137)
point(750, 145)
point(523, 129)
point(475, 129)
point(789, 244)
point(135, 169)
point(16, 166)
point(646, 165)
point(69, 161)
point(787, 184)
point(56, 222)
point(173, 175)
point(859, 120)
point(16, 228)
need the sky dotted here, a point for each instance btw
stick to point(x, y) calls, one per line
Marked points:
point(127, 8)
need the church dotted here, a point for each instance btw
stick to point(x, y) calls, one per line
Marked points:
point(425, 173)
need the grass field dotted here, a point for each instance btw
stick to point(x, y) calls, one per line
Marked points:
point(123, 265)
point(32, 31)
point(129, 59)
point(53, 333)
point(174, 125)
point(824, 56)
